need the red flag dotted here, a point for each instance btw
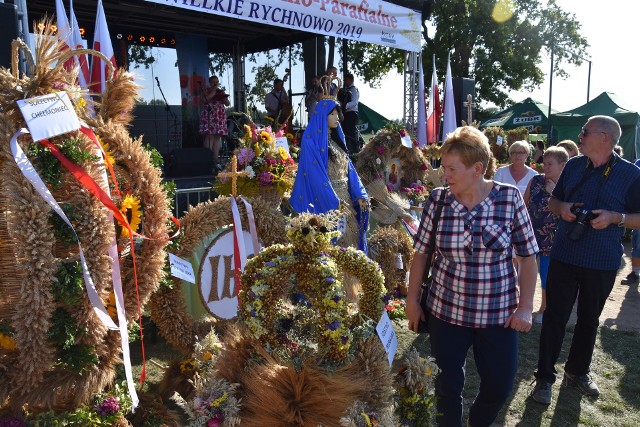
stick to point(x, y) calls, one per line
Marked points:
point(434, 112)
point(101, 43)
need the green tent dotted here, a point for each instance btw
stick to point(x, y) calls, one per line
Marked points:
point(370, 121)
point(568, 124)
point(529, 113)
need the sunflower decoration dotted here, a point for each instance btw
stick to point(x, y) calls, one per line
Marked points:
point(108, 154)
point(132, 210)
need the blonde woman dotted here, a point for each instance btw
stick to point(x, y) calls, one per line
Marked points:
point(517, 173)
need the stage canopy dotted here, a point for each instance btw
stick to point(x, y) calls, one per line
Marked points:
point(568, 124)
point(529, 113)
point(252, 25)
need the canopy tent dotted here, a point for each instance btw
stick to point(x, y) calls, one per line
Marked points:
point(370, 120)
point(529, 113)
point(568, 124)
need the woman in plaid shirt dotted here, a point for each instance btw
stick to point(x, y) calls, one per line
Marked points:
point(476, 299)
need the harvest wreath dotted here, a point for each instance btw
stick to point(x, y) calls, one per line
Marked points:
point(58, 336)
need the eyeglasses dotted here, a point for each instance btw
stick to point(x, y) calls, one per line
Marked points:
point(585, 132)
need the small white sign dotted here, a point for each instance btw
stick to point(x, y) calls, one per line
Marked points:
point(498, 140)
point(282, 141)
point(49, 115)
point(387, 335)
point(406, 141)
point(182, 269)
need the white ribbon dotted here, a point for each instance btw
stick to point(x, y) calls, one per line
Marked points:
point(237, 231)
point(29, 172)
point(117, 290)
point(252, 226)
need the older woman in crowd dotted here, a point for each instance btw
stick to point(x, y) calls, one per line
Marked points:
point(544, 222)
point(476, 298)
point(517, 173)
point(570, 146)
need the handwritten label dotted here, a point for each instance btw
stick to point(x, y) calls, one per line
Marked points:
point(498, 140)
point(387, 336)
point(282, 141)
point(49, 115)
point(182, 269)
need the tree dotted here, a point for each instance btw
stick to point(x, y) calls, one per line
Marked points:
point(501, 55)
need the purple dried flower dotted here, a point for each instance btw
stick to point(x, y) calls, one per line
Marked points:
point(330, 280)
point(216, 421)
point(380, 149)
point(265, 178)
point(108, 406)
point(333, 325)
point(253, 312)
point(252, 294)
point(336, 298)
point(344, 339)
point(270, 264)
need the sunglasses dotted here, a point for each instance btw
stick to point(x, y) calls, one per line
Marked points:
point(585, 132)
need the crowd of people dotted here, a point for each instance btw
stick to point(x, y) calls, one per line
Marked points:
point(571, 218)
point(493, 238)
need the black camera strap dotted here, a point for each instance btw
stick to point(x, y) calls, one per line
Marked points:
point(588, 172)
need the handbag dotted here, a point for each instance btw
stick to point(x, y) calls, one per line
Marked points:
point(423, 326)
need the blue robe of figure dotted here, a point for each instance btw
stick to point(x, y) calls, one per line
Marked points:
point(312, 190)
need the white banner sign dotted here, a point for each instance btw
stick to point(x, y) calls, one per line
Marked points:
point(372, 21)
point(387, 335)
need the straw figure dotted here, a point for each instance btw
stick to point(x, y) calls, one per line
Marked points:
point(56, 353)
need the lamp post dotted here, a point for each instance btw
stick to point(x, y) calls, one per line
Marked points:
point(551, 84)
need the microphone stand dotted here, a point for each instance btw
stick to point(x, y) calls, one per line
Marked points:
point(167, 109)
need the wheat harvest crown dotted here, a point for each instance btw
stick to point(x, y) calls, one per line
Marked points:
point(325, 83)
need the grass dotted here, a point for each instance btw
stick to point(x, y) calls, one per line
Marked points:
point(615, 368)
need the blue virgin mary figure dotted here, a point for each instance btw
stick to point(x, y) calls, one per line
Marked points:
point(326, 179)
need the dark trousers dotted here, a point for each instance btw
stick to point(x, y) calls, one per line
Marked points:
point(351, 134)
point(565, 282)
point(495, 351)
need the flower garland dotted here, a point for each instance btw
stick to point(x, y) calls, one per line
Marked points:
point(309, 269)
point(415, 385)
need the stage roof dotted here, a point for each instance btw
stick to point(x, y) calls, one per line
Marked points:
point(141, 18)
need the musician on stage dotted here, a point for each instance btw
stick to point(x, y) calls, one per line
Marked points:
point(277, 102)
point(349, 96)
point(213, 120)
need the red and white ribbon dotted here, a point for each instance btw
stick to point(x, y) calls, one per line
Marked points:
point(29, 172)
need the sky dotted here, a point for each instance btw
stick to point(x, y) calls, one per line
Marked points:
point(611, 31)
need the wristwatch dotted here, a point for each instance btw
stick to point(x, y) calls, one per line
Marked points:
point(621, 223)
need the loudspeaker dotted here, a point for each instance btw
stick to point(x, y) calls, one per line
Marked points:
point(189, 162)
point(9, 32)
point(462, 88)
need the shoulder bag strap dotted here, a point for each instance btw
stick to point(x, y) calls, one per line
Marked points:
point(432, 244)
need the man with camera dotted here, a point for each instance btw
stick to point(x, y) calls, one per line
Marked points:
point(593, 196)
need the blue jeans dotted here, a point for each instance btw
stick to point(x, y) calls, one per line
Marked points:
point(495, 351)
point(635, 243)
point(566, 283)
point(543, 263)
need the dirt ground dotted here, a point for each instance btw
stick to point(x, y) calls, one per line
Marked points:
point(622, 311)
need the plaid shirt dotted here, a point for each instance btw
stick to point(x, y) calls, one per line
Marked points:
point(474, 281)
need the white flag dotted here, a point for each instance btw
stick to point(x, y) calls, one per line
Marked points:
point(449, 116)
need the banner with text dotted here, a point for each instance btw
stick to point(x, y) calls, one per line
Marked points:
point(370, 21)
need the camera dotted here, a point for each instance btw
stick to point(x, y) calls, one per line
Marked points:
point(583, 217)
